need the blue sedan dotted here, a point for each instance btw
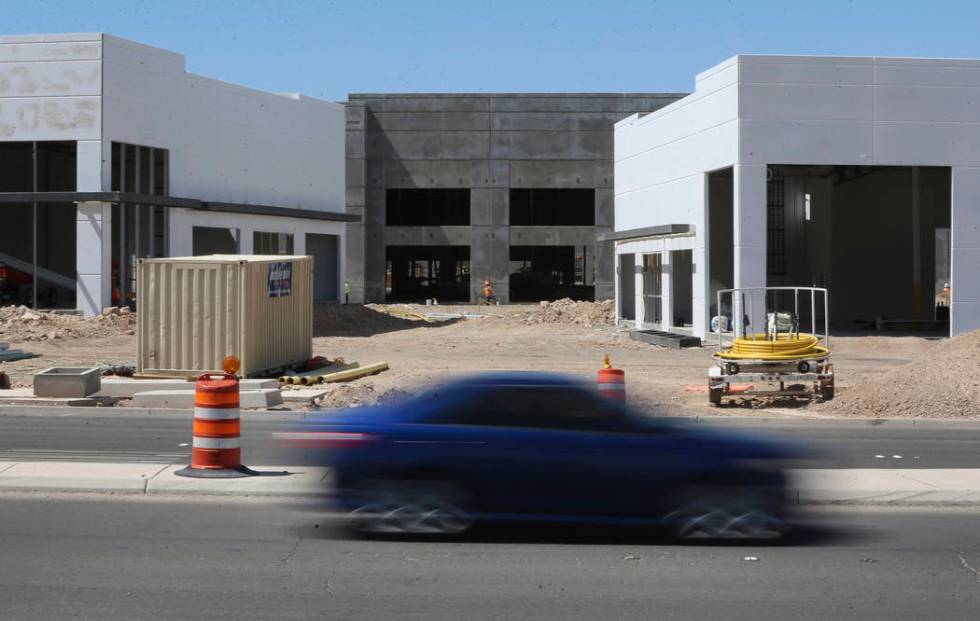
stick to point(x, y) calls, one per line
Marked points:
point(534, 446)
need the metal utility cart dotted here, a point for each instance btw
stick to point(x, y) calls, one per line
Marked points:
point(798, 363)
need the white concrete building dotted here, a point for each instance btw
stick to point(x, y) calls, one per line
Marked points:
point(111, 151)
point(858, 174)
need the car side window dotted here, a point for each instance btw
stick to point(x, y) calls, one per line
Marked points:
point(538, 407)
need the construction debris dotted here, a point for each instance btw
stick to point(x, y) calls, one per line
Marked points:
point(358, 394)
point(20, 324)
point(353, 371)
point(940, 383)
point(569, 311)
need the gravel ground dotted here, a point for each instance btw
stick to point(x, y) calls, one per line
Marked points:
point(884, 376)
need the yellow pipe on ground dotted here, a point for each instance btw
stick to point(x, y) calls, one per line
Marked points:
point(785, 347)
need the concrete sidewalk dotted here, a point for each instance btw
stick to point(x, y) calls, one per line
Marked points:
point(898, 487)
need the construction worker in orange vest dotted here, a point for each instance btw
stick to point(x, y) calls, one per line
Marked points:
point(488, 296)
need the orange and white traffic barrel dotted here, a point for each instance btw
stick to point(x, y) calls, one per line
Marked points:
point(611, 382)
point(216, 445)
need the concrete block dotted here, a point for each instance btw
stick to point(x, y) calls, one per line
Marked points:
point(261, 398)
point(428, 173)
point(125, 387)
point(355, 144)
point(431, 121)
point(422, 103)
point(305, 395)
point(549, 145)
point(490, 174)
point(67, 382)
point(427, 235)
point(374, 171)
point(552, 174)
point(436, 146)
point(556, 121)
point(557, 103)
point(605, 207)
point(355, 173)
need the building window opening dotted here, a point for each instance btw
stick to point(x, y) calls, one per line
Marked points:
point(272, 243)
point(138, 230)
point(427, 207)
point(37, 240)
point(552, 207)
point(418, 273)
point(549, 273)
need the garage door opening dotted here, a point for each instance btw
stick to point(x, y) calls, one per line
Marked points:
point(326, 266)
point(418, 273)
point(876, 237)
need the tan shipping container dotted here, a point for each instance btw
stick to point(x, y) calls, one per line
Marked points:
point(194, 311)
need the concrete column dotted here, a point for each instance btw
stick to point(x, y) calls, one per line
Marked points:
point(638, 289)
point(93, 257)
point(750, 241)
point(965, 260)
point(667, 291)
point(699, 257)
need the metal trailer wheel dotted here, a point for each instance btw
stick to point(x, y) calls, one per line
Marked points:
point(714, 515)
point(827, 392)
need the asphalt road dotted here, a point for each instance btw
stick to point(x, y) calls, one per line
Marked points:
point(90, 435)
point(141, 558)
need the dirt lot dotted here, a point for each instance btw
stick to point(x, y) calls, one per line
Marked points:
point(568, 338)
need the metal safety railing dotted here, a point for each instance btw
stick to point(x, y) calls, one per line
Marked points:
point(744, 300)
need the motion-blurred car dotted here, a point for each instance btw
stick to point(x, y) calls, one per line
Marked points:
point(530, 446)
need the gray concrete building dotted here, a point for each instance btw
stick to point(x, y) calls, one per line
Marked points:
point(457, 189)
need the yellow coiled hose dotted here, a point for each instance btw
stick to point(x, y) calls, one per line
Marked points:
point(785, 347)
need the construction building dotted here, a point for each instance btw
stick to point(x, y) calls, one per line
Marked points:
point(110, 151)
point(861, 175)
point(457, 189)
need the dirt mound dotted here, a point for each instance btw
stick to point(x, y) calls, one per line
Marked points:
point(20, 324)
point(335, 319)
point(568, 311)
point(358, 394)
point(940, 383)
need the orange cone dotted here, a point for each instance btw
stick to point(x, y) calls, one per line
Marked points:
point(216, 451)
point(611, 382)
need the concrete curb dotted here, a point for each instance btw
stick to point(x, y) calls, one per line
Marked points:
point(287, 414)
point(863, 487)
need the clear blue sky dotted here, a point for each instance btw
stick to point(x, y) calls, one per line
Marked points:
point(328, 49)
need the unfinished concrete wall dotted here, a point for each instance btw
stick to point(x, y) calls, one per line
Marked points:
point(489, 144)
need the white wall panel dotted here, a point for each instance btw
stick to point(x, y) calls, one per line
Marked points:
point(226, 142)
point(822, 102)
point(806, 142)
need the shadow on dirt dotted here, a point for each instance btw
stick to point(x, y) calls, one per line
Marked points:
point(361, 320)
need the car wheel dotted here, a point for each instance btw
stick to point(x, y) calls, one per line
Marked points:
point(411, 511)
point(725, 515)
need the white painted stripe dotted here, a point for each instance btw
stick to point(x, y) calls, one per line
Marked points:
point(612, 387)
point(215, 413)
point(216, 443)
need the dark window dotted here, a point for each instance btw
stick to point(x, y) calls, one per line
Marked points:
point(416, 273)
point(427, 207)
point(538, 407)
point(775, 227)
point(140, 169)
point(272, 243)
point(549, 273)
point(552, 207)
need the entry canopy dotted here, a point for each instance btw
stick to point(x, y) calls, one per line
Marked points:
point(173, 201)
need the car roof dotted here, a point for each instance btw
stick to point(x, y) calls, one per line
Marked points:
point(517, 378)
